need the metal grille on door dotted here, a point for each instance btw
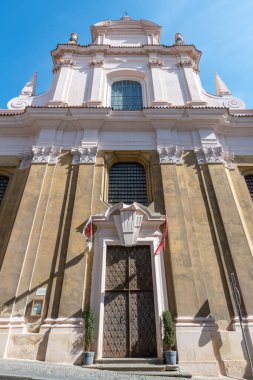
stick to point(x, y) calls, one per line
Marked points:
point(129, 316)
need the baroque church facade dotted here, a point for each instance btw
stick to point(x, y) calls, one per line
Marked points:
point(126, 133)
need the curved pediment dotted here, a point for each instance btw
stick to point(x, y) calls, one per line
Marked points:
point(128, 220)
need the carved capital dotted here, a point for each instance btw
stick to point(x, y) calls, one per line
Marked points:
point(45, 154)
point(171, 155)
point(97, 63)
point(68, 62)
point(228, 160)
point(54, 154)
point(215, 155)
point(83, 155)
point(155, 63)
point(188, 63)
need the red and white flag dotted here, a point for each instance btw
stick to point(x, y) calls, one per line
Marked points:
point(88, 233)
point(162, 242)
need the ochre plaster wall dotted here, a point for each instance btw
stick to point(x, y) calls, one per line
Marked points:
point(209, 211)
point(194, 257)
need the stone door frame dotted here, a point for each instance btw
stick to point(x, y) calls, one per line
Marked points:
point(109, 233)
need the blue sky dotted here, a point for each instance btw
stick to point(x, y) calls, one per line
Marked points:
point(221, 29)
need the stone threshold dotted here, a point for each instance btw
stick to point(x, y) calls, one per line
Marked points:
point(139, 366)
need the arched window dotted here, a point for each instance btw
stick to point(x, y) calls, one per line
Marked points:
point(126, 95)
point(3, 185)
point(249, 182)
point(127, 183)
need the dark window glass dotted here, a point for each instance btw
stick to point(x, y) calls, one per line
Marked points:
point(3, 185)
point(126, 95)
point(249, 181)
point(127, 183)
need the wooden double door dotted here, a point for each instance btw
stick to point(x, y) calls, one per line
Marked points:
point(129, 315)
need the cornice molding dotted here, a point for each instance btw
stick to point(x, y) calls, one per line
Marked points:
point(176, 50)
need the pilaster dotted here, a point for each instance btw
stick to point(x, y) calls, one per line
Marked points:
point(190, 69)
point(179, 256)
point(20, 237)
point(62, 70)
point(46, 246)
point(74, 293)
point(156, 66)
point(236, 235)
point(97, 68)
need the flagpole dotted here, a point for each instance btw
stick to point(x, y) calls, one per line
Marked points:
point(165, 231)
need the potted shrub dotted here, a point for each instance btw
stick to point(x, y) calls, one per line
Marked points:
point(169, 338)
point(89, 325)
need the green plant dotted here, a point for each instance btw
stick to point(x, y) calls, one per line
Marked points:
point(169, 337)
point(89, 327)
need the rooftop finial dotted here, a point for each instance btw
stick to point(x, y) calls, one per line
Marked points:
point(73, 38)
point(30, 87)
point(126, 16)
point(179, 39)
point(221, 87)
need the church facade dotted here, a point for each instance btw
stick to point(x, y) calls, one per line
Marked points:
point(126, 134)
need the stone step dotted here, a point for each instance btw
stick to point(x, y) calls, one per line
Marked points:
point(128, 361)
point(182, 375)
point(118, 367)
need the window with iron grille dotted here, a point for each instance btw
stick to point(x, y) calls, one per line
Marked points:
point(127, 183)
point(249, 182)
point(3, 185)
point(126, 95)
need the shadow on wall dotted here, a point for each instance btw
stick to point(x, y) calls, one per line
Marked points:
point(78, 345)
point(42, 348)
point(248, 372)
point(210, 333)
point(69, 264)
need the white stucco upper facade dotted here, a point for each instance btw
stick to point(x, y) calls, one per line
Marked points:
point(125, 49)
